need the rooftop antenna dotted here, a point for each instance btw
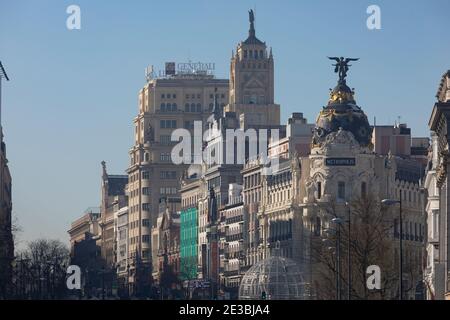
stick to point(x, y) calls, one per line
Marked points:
point(2, 75)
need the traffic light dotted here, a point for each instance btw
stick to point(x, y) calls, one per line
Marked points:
point(263, 295)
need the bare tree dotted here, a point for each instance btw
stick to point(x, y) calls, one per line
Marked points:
point(16, 229)
point(370, 244)
point(41, 270)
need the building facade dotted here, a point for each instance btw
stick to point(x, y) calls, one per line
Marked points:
point(252, 89)
point(344, 169)
point(438, 245)
point(191, 192)
point(232, 234)
point(6, 236)
point(85, 249)
point(114, 197)
point(166, 244)
point(165, 104)
point(121, 249)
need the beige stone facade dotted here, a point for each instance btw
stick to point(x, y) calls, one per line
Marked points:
point(252, 89)
point(165, 104)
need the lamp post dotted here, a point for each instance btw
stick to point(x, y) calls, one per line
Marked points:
point(391, 202)
point(349, 256)
point(338, 221)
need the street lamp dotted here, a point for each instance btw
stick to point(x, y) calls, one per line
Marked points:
point(392, 202)
point(349, 256)
point(338, 221)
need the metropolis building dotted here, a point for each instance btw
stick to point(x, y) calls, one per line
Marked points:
point(343, 168)
point(296, 212)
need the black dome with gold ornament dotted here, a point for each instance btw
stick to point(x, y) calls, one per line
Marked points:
point(342, 112)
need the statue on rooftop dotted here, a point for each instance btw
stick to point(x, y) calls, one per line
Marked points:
point(341, 66)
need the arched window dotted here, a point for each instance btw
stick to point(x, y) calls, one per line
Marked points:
point(199, 107)
point(163, 107)
point(174, 107)
point(192, 107)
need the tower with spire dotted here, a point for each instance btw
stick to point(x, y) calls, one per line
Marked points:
point(252, 82)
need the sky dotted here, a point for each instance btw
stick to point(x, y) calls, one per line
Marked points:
point(72, 94)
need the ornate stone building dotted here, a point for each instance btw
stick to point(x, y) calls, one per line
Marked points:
point(342, 168)
point(438, 268)
point(114, 197)
point(166, 243)
point(252, 83)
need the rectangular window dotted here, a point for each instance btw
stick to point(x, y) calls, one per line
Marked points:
point(146, 191)
point(341, 190)
point(363, 189)
point(146, 238)
point(145, 222)
point(168, 175)
point(164, 139)
point(319, 190)
point(164, 157)
point(396, 229)
point(168, 124)
point(146, 206)
point(145, 175)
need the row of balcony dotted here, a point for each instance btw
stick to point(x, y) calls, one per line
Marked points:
point(409, 237)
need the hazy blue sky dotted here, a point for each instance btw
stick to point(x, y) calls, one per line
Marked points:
point(73, 94)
